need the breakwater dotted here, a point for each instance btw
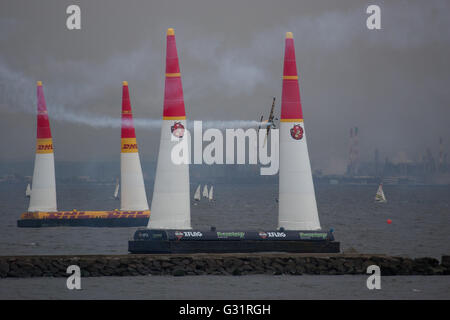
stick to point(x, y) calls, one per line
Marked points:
point(219, 264)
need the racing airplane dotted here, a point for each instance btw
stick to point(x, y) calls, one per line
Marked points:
point(270, 122)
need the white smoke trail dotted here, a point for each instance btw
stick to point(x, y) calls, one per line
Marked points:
point(16, 96)
point(147, 123)
point(229, 124)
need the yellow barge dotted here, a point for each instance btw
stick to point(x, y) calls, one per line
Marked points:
point(75, 218)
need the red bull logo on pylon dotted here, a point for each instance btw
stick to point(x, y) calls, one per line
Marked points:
point(297, 132)
point(177, 129)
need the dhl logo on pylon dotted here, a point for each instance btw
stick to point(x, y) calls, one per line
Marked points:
point(44, 146)
point(44, 136)
point(129, 145)
point(128, 135)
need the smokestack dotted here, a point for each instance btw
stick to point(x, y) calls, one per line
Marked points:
point(132, 195)
point(356, 152)
point(43, 195)
point(171, 200)
point(297, 200)
point(350, 154)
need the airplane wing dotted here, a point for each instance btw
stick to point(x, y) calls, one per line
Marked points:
point(271, 110)
point(269, 121)
point(271, 116)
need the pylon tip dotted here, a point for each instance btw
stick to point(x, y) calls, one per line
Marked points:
point(170, 32)
point(39, 83)
point(289, 35)
point(125, 83)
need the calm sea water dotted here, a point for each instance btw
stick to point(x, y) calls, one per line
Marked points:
point(258, 287)
point(420, 227)
point(420, 218)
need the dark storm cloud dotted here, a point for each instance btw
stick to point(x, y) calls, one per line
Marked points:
point(392, 83)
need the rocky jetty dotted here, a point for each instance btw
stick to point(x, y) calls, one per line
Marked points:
point(219, 264)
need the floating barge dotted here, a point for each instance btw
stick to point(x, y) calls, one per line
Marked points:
point(195, 241)
point(76, 218)
point(43, 212)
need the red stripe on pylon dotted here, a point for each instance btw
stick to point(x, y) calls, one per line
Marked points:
point(127, 116)
point(291, 107)
point(43, 125)
point(173, 92)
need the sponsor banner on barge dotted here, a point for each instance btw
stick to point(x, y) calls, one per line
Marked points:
point(193, 235)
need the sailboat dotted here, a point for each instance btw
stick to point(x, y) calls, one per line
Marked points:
point(116, 191)
point(379, 197)
point(211, 195)
point(197, 196)
point(28, 191)
point(205, 191)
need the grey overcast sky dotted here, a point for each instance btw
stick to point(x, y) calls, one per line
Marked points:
point(394, 83)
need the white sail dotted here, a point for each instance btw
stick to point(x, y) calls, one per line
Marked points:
point(205, 191)
point(380, 197)
point(116, 191)
point(197, 195)
point(28, 191)
point(211, 194)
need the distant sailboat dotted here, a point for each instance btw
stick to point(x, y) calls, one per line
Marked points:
point(379, 197)
point(211, 195)
point(197, 196)
point(205, 191)
point(116, 191)
point(28, 191)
